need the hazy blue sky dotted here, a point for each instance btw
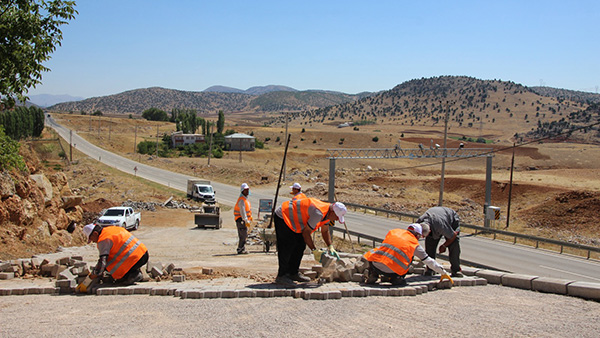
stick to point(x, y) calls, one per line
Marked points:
point(348, 46)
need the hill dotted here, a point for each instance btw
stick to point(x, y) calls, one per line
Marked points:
point(210, 101)
point(497, 109)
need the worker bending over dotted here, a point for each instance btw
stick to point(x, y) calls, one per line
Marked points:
point(295, 221)
point(392, 260)
point(121, 253)
point(443, 222)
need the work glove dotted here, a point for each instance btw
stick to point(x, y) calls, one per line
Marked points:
point(100, 266)
point(446, 276)
point(317, 254)
point(331, 251)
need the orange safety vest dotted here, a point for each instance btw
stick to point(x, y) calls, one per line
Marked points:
point(295, 213)
point(299, 196)
point(236, 210)
point(125, 251)
point(396, 252)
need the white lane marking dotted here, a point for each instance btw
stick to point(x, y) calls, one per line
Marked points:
point(569, 272)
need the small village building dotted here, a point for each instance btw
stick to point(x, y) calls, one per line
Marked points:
point(178, 138)
point(239, 142)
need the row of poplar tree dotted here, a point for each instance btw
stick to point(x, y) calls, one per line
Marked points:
point(22, 122)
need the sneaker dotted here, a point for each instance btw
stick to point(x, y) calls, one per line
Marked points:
point(285, 281)
point(456, 274)
point(299, 277)
point(243, 252)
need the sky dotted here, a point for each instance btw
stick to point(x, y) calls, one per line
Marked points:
point(348, 46)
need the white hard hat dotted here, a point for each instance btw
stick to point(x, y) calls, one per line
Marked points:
point(296, 186)
point(244, 186)
point(340, 210)
point(87, 230)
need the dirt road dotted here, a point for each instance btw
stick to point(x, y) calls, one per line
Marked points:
point(172, 237)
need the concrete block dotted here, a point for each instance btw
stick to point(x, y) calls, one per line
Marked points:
point(344, 275)
point(360, 266)
point(156, 272)
point(584, 290)
point(333, 294)
point(264, 293)
point(359, 292)
point(169, 268)
point(65, 274)
point(50, 291)
point(65, 283)
point(345, 262)
point(378, 292)
point(178, 278)
point(63, 261)
point(7, 275)
point(299, 293)
point(207, 271)
point(281, 292)
point(315, 295)
point(418, 271)
point(493, 277)
point(409, 291)
point(151, 265)
point(464, 282)
point(36, 262)
point(160, 292)
point(57, 269)
point(18, 292)
point(327, 260)
point(212, 294)
point(247, 293)
point(124, 291)
point(142, 290)
point(317, 268)
point(469, 271)
point(311, 274)
point(5, 292)
point(192, 294)
point(177, 271)
point(229, 294)
point(480, 281)
point(77, 258)
point(106, 291)
point(518, 281)
point(551, 285)
point(4, 266)
point(304, 270)
point(395, 292)
point(357, 277)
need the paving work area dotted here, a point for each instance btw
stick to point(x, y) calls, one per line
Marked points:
point(249, 304)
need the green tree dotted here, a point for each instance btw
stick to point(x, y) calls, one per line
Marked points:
point(221, 122)
point(30, 32)
point(155, 114)
point(9, 153)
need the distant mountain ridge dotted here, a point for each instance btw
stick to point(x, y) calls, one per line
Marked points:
point(260, 99)
point(47, 100)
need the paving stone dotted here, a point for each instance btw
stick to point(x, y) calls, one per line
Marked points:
point(299, 293)
point(63, 261)
point(357, 277)
point(65, 274)
point(229, 294)
point(584, 290)
point(493, 277)
point(178, 278)
point(142, 290)
point(192, 294)
point(469, 271)
point(518, 281)
point(360, 266)
point(247, 293)
point(5, 292)
point(207, 271)
point(212, 294)
point(317, 268)
point(169, 268)
point(409, 291)
point(106, 291)
point(125, 291)
point(4, 266)
point(551, 285)
point(262, 293)
point(418, 271)
point(314, 295)
point(156, 272)
point(480, 281)
point(7, 275)
point(359, 293)
point(344, 275)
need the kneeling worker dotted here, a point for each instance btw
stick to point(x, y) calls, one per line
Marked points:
point(121, 254)
point(394, 257)
point(295, 221)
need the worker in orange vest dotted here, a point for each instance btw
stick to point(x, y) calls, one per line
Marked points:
point(295, 221)
point(242, 214)
point(121, 253)
point(297, 191)
point(392, 260)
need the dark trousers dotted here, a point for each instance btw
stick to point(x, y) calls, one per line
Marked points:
point(135, 269)
point(431, 245)
point(290, 248)
point(242, 234)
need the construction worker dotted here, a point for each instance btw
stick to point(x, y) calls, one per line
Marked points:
point(295, 220)
point(392, 260)
point(443, 222)
point(297, 191)
point(121, 254)
point(243, 217)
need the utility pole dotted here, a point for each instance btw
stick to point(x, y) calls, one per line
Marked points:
point(441, 201)
point(210, 144)
point(286, 137)
point(157, 140)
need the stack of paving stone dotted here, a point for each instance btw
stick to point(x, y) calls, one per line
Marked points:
point(349, 268)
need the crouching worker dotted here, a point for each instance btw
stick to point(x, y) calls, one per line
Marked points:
point(121, 254)
point(392, 260)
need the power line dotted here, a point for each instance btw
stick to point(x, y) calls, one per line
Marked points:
point(498, 150)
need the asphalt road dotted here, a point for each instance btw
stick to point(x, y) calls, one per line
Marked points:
point(493, 254)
